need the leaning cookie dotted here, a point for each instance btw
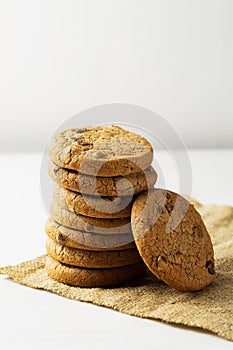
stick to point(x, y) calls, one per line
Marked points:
point(91, 259)
point(88, 224)
point(101, 151)
point(81, 277)
point(103, 186)
point(69, 237)
point(172, 240)
point(93, 206)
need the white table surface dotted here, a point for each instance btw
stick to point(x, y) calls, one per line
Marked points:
point(33, 319)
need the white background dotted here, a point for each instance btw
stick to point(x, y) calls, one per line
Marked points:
point(58, 57)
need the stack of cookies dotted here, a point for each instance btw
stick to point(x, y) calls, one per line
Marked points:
point(97, 172)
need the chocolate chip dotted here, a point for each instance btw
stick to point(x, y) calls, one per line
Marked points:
point(79, 131)
point(161, 263)
point(178, 252)
point(60, 237)
point(210, 266)
point(83, 142)
point(167, 195)
point(162, 259)
point(82, 130)
point(108, 198)
point(197, 231)
point(169, 207)
point(55, 170)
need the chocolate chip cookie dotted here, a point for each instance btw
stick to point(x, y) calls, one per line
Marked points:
point(88, 224)
point(81, 277)
point(172, 240)
point(103, 186)
point(89, 241)
point(101, 151)
point(93, 206)
point(92, 259)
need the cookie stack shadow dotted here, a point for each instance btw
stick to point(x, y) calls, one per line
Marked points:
point(90, 242)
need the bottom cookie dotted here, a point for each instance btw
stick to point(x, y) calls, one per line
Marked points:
point(81, 277)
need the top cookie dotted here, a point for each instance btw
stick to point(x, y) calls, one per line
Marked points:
point(101, 151)
point(172, 240)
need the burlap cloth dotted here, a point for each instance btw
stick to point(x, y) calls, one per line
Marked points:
point(210, 309)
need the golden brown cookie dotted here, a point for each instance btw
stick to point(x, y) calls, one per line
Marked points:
point(172, 240)
point(92, 259)
point(103, 186)
point(93, 206)
point(101, 151)
point(81, 277)
point(90, 241)
point(88, 224)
